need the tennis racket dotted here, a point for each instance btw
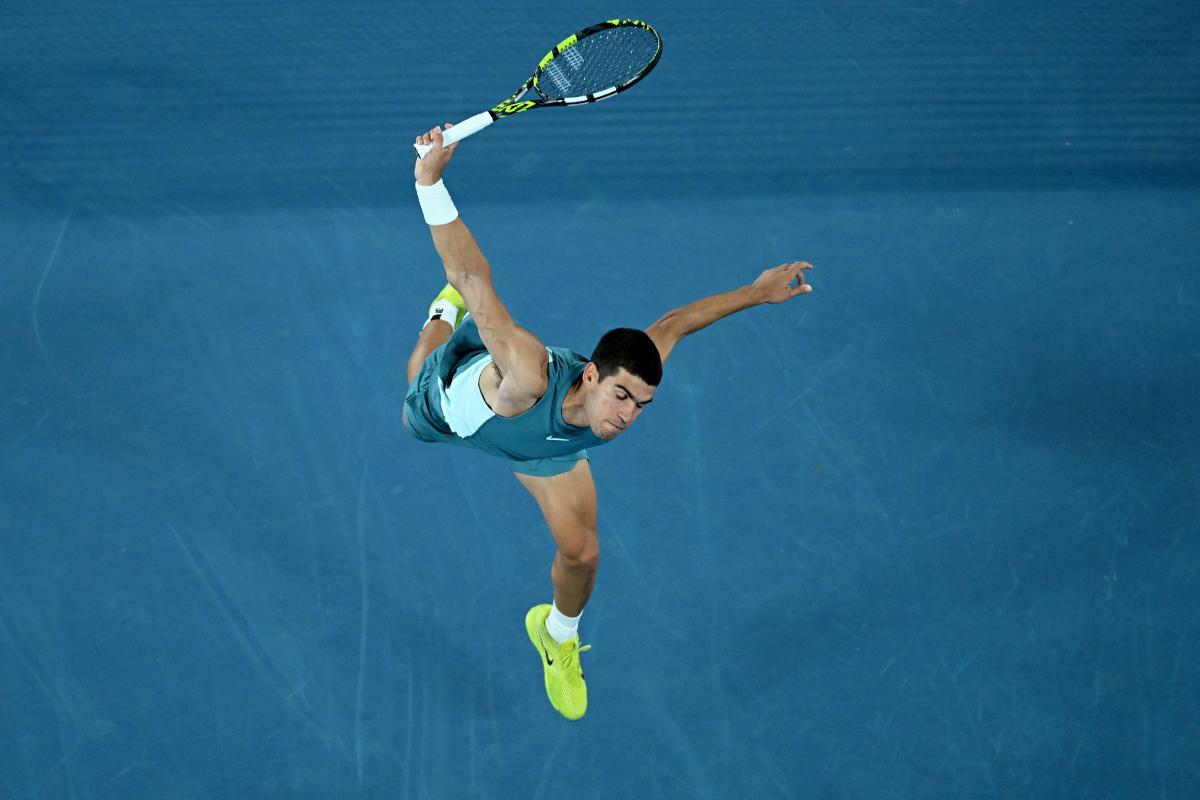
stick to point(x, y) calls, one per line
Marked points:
point(592, 65)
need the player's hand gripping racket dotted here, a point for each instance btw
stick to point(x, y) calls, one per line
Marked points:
point(594, 64)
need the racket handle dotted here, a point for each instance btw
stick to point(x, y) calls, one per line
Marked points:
point(459, 132)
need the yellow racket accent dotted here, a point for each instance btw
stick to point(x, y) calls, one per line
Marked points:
point(563, 45)
point(625, 62)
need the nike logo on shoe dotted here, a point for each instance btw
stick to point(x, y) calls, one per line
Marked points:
point(556, 439)
point(549, 660)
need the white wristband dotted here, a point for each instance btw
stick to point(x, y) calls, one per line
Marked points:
point(436, 204)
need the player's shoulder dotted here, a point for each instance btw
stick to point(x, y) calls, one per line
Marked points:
point(566, 354)
point(564, 360)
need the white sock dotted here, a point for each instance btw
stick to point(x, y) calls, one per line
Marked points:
point(560, 626)
point(443, 310)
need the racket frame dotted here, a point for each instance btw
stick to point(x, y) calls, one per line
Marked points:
point(514, 104)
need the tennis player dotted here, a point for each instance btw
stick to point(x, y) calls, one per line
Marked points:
point(478, 379)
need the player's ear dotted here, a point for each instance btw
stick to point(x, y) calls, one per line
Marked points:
point(591, 373)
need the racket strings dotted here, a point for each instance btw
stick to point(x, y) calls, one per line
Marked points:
point(605, 59)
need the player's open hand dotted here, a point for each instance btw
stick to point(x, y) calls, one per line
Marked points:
point(783, 282)
point(428, 170)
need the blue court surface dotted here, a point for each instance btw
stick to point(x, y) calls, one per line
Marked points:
point(932, 531)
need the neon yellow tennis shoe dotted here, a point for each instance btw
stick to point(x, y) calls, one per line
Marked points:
point(564, 677)
point(449, 306)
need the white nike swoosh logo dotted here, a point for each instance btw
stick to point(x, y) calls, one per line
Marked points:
point(556, 439)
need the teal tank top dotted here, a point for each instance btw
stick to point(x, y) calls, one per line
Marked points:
point(538, 433)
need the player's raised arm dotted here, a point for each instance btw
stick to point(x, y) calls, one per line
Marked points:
point(518, 355)
point(774, 285)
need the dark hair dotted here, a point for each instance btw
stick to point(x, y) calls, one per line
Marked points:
point(630, 349)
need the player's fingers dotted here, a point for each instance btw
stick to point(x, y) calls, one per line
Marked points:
point(801, 287)
point(796, 271)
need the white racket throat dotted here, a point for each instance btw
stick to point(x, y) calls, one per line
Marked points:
point(458, 132)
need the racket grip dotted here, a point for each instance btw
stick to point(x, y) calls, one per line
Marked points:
point(459, 132)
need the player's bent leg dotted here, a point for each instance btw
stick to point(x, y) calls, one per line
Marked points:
point(433, 336)
point(446, 312)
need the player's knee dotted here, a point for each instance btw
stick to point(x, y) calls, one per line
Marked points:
point(581, 554)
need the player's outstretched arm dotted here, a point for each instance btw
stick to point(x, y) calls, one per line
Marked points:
point(774, 285)
point(518, 355)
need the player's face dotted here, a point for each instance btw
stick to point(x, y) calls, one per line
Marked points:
point(617, 402)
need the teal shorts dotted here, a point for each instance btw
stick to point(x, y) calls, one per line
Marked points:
point(545, 467)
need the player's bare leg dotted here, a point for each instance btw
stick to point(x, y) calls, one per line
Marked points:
point(568, 502)
point(433, 336)
point(445, 314)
